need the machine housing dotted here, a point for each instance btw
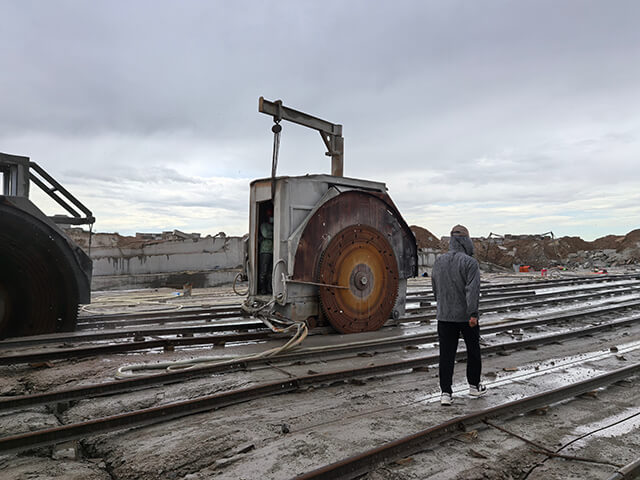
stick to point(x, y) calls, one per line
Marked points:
point(308, 212)
point(44, 275)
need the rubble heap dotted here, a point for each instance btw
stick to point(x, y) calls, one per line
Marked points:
point(544, 251)
point(571, 252)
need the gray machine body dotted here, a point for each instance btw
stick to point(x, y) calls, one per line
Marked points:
point(295, 202)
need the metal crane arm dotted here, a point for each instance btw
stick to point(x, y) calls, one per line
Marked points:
point(331, 133)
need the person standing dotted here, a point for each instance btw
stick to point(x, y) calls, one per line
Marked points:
point(456, 286)
point(266, 254)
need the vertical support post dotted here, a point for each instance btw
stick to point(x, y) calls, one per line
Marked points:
point(337, 157)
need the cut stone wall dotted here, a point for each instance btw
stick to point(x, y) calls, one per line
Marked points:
point(121, 263)
point(203, 262)
point(426, 259)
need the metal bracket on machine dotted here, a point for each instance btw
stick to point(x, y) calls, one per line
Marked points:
point(331, 133)
point(18, 171)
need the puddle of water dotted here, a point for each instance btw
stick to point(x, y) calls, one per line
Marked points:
point(609, 430)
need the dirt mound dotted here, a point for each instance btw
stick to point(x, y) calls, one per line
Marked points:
point(568, 251)
point(424, 238)
point(535, 253)
point(630, 240)
point(610, 242)
point(573, 244)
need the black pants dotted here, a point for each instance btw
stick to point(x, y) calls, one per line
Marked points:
point(264, 276)
point(448, 334)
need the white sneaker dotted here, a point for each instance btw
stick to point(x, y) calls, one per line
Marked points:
point(477, 391)
point(446, 398)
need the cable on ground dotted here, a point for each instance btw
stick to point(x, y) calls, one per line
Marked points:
point(235, 280)
point(262, 312)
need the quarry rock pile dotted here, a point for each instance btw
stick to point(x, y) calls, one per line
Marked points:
point(539, 251)
point(536, 251)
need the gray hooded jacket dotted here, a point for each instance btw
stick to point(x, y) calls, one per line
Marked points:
point(456, 282)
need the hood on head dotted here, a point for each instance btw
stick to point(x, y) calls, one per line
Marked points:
point(461, 244)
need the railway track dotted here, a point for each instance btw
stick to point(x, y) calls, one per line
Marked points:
point(258, 333)
point(319, 354)
point(562, 282)
point(230, 310)
point(610, 319)
point(166, 412)
point(191, 331)
point(159, 317)
point(213, 402)
point(512, 303)
point(362, 463)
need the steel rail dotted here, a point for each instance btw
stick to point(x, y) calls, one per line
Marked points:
point(243, 325)
point(113, 348)
point(486, 286)
point(500, 305)
point(543, 298)
point(146, 416)
point(544, 283)
point(231, 311)
point(486, 301)
point(158, 320)
point(364, 462)
point(152, 415)
point(137, 383)
point(234, 310)
point(246, 324)
point(583, 279)
point(432, 316)
point(228, 312)
point(546, 299)
point(533, 293)
point(173, 330)
point(483, 294)
point(158, 313)
point(628, 472)
point(169, 343)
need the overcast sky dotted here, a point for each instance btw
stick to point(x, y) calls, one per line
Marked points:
point(506, 116)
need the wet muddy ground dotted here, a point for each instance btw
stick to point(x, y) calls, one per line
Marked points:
point(281, 436)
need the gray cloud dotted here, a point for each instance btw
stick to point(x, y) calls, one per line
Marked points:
point(451, 103)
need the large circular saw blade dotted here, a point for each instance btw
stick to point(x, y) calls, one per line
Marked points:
point(361, 259)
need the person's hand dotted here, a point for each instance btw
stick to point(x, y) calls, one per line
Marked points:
point(473, 321)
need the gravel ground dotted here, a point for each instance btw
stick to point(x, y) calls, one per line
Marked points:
point(281, 436)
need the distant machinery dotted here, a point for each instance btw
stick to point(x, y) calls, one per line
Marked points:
point(43, 274)
point(342, 252)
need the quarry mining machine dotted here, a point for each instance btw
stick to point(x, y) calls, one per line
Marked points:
point(44, 275)
point(342, 253)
